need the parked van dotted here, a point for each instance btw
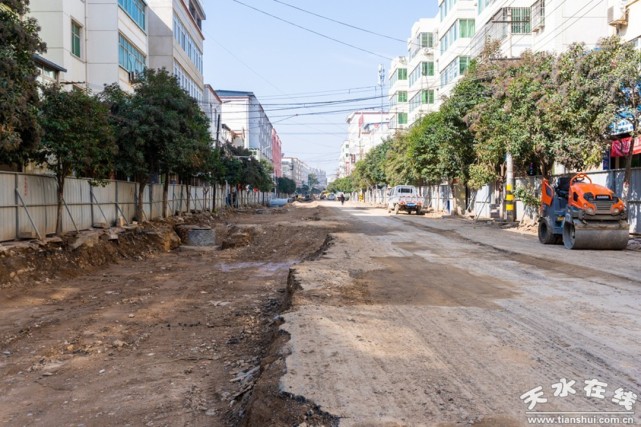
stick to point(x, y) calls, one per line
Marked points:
point(404, 198)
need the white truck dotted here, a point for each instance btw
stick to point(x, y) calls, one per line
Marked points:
point(404, 198)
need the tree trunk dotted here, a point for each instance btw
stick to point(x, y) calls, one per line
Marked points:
point(188, 197)
point(627, 176)
point(60, 194)
point(213, 197)
point(165, 196)
point(139, 202)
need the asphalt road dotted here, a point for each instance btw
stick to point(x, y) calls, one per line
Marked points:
point(412, 321)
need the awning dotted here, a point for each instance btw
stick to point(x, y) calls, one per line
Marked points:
point(620, 147)
point(44, 61)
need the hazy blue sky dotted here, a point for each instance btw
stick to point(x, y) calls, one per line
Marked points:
point(250, 51)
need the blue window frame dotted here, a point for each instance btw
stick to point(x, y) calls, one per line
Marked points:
point(130, 58)
point(136, 11)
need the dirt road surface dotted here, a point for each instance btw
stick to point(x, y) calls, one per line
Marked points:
point(176, 338)
point(413, 321)
point(318, 314)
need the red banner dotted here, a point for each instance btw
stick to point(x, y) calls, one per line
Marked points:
point(620, 147)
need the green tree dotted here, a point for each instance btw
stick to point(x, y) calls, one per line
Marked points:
point(77, 137)
point(285, 185)
point(370, 171)
point(344, 185)
point(400, 168)
point(596, 88)
point(19, 128)
point(312, 180)
point(160, 130)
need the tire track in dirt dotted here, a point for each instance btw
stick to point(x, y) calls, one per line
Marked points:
point(433, 347)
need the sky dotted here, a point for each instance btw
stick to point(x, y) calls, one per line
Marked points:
point(288, 67)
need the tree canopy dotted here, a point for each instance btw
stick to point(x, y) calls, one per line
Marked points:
point(19, 127)
point(77, 137)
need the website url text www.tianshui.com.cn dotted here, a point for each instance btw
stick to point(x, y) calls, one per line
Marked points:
point(581, 419)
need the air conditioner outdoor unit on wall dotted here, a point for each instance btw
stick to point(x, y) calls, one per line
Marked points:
point(428, 50)
point(617, 13)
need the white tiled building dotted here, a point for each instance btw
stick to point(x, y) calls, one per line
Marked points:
point(365, 130)
point(398, 93)
point(100, 42)
point(244, 114)
point(462, 27)
point(423, 81)
point(176, 41)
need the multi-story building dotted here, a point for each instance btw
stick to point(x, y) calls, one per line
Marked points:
point(397, 95)
point(457, 26)
point(244, 114)
point(48, 72)
point(423, 81)
point(176, 41)
point(365, 130)
point(277, 154)
point(97, 42)
point(535, 25)
point(346, 160)
point(100, 42)
point(296, 170)
point(212, 107)
point(624, 17)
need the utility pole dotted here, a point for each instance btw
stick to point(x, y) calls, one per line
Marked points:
point(509, 188)
point(381, 83)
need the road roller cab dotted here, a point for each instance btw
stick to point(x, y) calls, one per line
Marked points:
point(582, 215)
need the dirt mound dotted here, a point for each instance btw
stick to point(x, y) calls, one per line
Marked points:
point(114, 327)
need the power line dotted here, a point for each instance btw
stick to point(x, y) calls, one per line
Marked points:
point(339, 22)
point(312, 31)
point(319, 94)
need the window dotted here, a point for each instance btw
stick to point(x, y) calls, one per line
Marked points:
point(467, 27)
point(136, 11)
point(187, 83)
point(427, 97)
point(423, 97)
point(424, 69)
point(454, 69)
point(402, 118)
point(427, 69)
point(482, 4)
point(464, 64)
point(75, 39)
point(188, 44)
point(130, 58)
point(538, 14)
point(427, 40)
point(445, 8)
point(462, 28)
point(402, 96)
point(521, 20)
point(399, 74)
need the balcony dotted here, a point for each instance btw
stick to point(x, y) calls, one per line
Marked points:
point(505, 22)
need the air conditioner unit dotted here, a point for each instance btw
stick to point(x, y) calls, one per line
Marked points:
point(428, 51)
point(617, 13)
point(132, 76)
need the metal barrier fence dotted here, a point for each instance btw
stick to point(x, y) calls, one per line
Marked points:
point(487, 202)
point(28, 203)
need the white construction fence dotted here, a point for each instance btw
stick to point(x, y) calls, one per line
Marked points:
point(28, 203)
point(487, 202)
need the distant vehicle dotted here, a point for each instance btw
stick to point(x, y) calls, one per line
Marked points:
point(331, 196)
point(404, 198)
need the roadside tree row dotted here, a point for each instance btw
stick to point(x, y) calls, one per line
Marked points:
point(541, 108)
